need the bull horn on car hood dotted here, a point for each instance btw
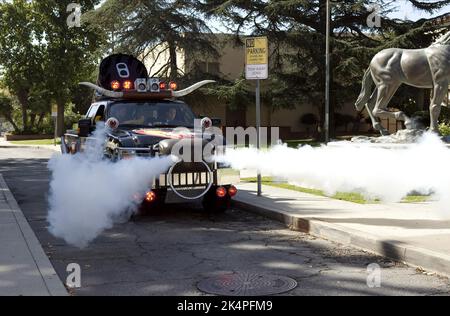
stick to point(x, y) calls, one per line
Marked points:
point(133, 94)
point(198, 85)
point(102, 91)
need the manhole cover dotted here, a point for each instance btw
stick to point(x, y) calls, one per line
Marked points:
point(247, 284)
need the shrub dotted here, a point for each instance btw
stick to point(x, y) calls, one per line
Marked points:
point(444, 129)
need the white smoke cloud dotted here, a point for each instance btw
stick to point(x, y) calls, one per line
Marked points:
point(387, 174)
point(89, 195)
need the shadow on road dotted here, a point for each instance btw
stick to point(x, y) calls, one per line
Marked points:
point(169, 251)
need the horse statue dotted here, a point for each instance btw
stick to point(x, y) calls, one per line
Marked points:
point(427, 68)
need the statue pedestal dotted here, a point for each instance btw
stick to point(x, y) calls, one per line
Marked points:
point(403, 139)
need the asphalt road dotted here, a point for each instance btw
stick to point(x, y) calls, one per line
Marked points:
point(170, 252)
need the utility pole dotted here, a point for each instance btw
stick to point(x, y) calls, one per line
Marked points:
point(327, 76)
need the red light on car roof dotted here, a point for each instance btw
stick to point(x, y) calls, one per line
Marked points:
point(128, 85)
point(173, 86)
point(162, 86)
point(115, 85)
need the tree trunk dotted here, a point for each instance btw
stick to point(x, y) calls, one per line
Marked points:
point(24, 118)
point(32, 120)
point(41, 119)
point(173, 61)
point(14, 125)
point(23, 99)
point(60, 128)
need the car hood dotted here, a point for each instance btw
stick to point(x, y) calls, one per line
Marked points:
point(145, 137)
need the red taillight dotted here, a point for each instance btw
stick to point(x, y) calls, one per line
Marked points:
point(232, 191)
point(150, 196)
point(115, 85)
point(173, 86)
point(221, 192)
point(128, 85)
point(162, 86)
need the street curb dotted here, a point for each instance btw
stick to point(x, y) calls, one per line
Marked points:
point(51, 279)
point(395, 250)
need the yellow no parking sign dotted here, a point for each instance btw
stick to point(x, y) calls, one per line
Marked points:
point(257, 58)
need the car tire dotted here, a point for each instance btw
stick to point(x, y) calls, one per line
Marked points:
point(212, 204)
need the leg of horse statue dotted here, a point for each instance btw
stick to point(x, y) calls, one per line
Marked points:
point(439, 93)
point(385, 93)
point(375, 123)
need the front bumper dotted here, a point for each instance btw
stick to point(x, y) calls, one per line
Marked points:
point(188, 175)
point(198, 179)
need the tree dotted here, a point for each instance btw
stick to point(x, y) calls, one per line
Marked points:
point(21, 54)
point(71, 52)
point(158, 28)
point(42, 58)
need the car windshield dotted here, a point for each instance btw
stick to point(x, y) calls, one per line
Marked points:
point(152, 114)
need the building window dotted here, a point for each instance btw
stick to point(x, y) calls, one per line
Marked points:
point(212, 68)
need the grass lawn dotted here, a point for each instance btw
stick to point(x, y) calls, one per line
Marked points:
point(415, 199)
point(37, 142)
point(343, 196)
point(296, 143)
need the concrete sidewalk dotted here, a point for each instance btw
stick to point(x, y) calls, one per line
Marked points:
point(411, 233)
point(25, 269)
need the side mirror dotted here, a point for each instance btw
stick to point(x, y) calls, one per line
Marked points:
point(216, 122)
point(84, 127)
point(206, 123)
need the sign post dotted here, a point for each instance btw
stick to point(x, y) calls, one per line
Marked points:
point(54, 116)
point(257, 68)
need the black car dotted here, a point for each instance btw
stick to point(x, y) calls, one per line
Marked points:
point(144, 119)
